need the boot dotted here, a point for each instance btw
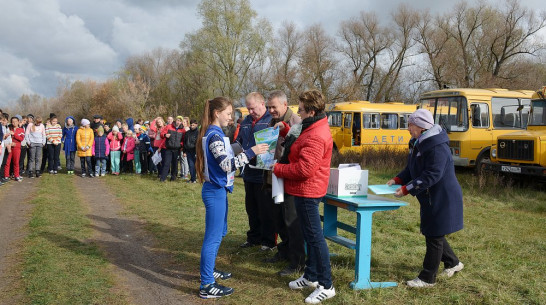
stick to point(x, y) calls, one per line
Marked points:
point(38, 174)
point(30, 174)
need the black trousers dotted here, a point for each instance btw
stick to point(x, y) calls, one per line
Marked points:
point(44, 158)
point(438, 250)
point(53, 157)
point(258, 206)
point(86, 170)
point(170, 162)
point(287, 224)
point(24, 155)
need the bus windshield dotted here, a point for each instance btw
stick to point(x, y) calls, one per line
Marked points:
point(538, 113)
point(449, 112)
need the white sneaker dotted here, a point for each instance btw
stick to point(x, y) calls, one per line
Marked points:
point(302, 283)
point(320, 294)
point(418, 283)
point(449, 272)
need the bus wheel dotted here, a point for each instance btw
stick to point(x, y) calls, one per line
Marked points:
point(484, 156)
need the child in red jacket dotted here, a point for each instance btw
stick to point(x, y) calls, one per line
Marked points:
point(17, 136)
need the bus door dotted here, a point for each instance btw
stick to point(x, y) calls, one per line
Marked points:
point(481, 135)
point(347, 129)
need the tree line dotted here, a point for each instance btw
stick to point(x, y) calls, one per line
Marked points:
point(482, 45)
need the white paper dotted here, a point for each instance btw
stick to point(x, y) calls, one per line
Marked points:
point(277, 189)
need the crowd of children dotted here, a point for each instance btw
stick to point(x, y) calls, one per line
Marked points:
point(31, 146)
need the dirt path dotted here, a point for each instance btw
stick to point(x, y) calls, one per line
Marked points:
point(142, 272)
point(14, 215)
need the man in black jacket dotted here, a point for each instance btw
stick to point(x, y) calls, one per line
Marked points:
point(190, 141)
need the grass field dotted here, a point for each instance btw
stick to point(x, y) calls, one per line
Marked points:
point(502, 245)
point(60, 266)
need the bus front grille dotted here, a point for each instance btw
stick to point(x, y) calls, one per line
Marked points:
point(516, 149)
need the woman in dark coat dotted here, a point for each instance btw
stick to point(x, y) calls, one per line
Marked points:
point(430, 176)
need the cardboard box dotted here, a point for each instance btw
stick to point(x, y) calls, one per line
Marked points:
point(348, 180)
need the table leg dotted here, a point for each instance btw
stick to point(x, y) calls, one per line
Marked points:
point(364, 253)
point(330, 220)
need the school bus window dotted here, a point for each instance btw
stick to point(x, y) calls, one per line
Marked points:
point(348, 120)
point(525, 109)
point(371, 120)
point(451, 113)
point(538, 114)
point(506, 112)
point(389, 120)
point(404, 120)
point(334, 119)
point(480, 115)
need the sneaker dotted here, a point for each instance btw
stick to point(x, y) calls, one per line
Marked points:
point(302, 283)
point(320, 294)
point(83, 175)
point(91, 176)
point(418, 283)
point(287, 271)
point(221, 274)
point(19, 179)
point(247, 244)
point(51, 172)
point(103, 174)
point(54, 172)
point(30, 174)
point(449, 272)
point(265, 248)
point(38, 174)
point(214, 290)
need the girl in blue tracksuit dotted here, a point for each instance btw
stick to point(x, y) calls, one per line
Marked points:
point(216, 165)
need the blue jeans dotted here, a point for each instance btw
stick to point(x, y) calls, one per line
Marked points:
point(100, 166)
point(216, 209)
point(191, 164)
point(317, 265)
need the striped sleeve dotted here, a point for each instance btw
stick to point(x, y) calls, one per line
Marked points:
point(218, 149)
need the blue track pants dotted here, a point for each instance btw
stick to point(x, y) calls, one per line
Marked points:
point(216, 206)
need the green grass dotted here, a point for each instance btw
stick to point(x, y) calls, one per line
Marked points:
point(502, 245)
point(59, 265)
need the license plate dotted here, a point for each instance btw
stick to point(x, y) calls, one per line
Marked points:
point(511, 169)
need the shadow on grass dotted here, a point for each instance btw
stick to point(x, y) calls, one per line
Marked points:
point(174, 261)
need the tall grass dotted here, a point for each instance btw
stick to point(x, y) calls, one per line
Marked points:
point(381, 158)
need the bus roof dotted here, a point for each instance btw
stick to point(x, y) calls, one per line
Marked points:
point(473, 92)
point(372, 107)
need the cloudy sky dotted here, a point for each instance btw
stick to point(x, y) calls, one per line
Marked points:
point(46, 42)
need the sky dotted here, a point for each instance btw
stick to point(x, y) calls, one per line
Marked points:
point(44, 43)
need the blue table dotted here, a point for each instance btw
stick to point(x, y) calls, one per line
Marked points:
point(364, 207)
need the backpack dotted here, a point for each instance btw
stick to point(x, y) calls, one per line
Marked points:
point(173, 142)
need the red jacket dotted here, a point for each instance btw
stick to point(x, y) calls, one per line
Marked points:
point(166, 130)
point(18, 136)
point(308, 173)
point(128, 148)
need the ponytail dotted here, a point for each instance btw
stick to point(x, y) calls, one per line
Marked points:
point(211, 106)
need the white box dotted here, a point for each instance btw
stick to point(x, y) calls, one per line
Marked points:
point(348, 181)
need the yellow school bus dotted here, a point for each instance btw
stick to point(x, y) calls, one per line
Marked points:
point(523, 152)
point(474, 118)
point(359, 124)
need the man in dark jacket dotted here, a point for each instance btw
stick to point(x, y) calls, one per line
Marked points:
point(190, 141)
point(430, 176)
point(283, 215)
point(262, 231)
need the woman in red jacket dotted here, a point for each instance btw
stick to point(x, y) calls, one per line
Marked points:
point(305, 167)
